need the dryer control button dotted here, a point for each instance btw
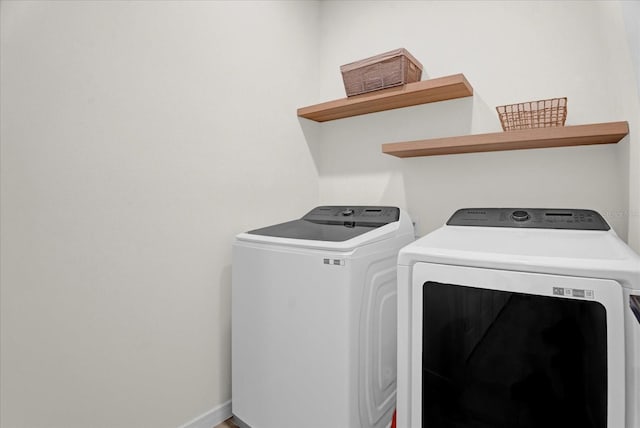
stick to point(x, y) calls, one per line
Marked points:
point(347, 212)
point(520, 215)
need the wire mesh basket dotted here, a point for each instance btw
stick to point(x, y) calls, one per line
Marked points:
point(533, 114)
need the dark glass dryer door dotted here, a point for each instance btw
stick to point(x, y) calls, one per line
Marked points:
point(495, 358)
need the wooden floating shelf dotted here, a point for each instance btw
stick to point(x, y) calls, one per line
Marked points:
point(599, 133)
point(411, 94)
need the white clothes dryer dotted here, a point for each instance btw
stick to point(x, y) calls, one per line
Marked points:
point(519, 318)
point(314, 312)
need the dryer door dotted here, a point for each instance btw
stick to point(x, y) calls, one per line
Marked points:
point(495, 348)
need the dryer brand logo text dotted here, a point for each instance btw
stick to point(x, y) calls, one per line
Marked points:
point(334, 262)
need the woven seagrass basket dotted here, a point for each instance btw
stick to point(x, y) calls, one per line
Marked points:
point(389, 69)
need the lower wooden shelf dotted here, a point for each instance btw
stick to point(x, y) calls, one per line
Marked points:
point(598, 133)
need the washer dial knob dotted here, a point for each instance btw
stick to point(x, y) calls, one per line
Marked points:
point(520, 215)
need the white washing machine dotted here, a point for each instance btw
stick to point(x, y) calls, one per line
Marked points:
point(519, 318)
point(314, 312)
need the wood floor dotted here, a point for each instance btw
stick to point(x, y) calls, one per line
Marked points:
point(226, 424)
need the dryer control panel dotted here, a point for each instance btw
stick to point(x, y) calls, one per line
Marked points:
point(534, 218)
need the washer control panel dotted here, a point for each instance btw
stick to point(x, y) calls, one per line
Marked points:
point(534, 218)
point(360, 215)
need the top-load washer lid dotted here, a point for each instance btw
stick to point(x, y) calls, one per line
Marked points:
point(529, 218)
point(333, 223)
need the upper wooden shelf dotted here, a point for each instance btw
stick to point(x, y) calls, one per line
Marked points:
point(599, 133)
point(411, 94)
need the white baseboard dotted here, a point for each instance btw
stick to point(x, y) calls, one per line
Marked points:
point(211, 418)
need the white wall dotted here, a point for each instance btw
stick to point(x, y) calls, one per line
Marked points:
point(510, 52)
point(137, 139)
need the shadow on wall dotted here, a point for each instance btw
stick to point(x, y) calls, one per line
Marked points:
point(313, 135)
point(224, 307)
point(568, 177)
point(352, 145)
